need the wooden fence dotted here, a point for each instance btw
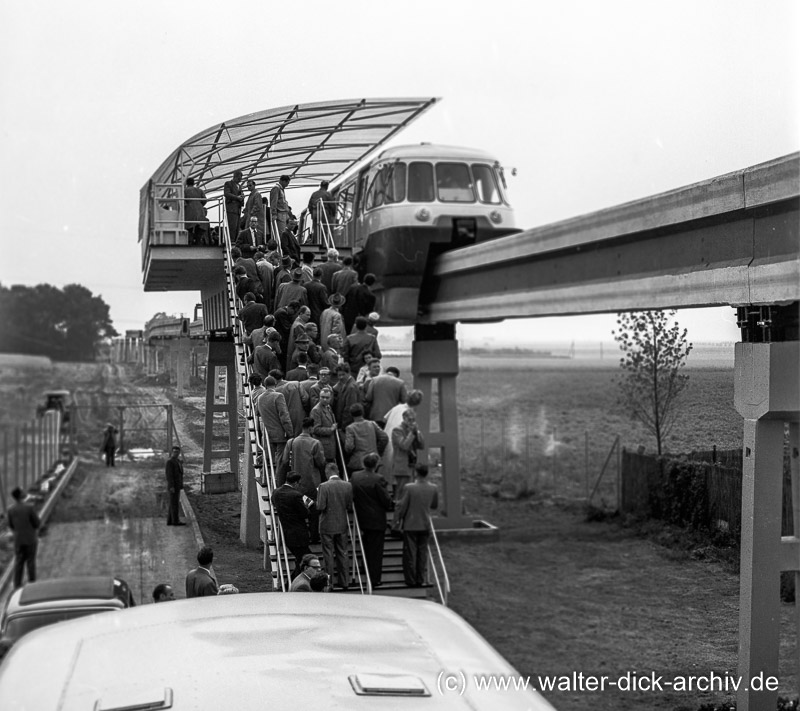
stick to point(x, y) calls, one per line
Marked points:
point(697, 491)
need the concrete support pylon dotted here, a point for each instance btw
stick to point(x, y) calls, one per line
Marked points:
point(434, 358)
point(767, 395)
point(221, 354)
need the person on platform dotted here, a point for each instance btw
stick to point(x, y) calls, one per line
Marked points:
point(194, 213)
point(234, 200)
point(278, 206)
point(200, 581)
point(163, 593)
point(274, 418)
point(24, 523)
point(254, 207)
point(329, 268)
point(174, 475)
point(413, 515)
point(358, 344)
point(310, 567)
point(334, 500)
point(249, 237)
point(324, 215)
point(372, 502)
point(293, 515)
point(109, 446)
point(383, 393)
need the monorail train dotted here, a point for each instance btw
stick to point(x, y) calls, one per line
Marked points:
point(410, 203)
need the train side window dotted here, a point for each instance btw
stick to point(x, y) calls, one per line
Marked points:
point(486, 184)
point(344, 207)
point(396, 183)
point(453, 183)
point(420, 182)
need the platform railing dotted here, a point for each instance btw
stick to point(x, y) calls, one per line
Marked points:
point(275, 543)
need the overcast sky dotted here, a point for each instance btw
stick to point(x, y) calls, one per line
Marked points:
point(594, 104)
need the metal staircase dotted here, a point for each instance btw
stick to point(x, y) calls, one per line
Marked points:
point(276, 556)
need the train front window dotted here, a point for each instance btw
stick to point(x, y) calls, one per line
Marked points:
point(486, 184)
point(420, 182)
point(388, 186)
point(453, 183)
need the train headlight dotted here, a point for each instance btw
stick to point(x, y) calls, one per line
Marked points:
point(495, 217)
point(423, 214)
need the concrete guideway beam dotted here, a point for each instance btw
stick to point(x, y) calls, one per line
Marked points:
point(730, 240)
point(767, 395)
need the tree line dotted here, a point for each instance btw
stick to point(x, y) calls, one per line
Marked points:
point(66, 324)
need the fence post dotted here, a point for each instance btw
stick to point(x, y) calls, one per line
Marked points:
point(586, 460)
point(16, 455)
point(169, 428)
point(619, 474)
point(4, 477)
point(73, 429)
point(121, 430)
point(483, 449)
point(24, 457)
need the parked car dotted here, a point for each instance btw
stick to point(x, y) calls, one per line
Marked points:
point(48, 601)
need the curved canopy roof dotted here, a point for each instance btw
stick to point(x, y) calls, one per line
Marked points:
point(309, 142)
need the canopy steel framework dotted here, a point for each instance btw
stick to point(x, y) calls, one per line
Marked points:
point(309, 142)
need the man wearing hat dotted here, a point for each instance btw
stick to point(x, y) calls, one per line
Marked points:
point(278, 207)
point(331, 320)
point(234, 200)
point(292, 290)
point(293, 514)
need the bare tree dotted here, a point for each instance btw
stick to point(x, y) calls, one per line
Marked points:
point(654, 352)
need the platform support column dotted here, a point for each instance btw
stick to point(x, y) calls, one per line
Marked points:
point(767, 395)
point(434, 358)
point(221, 358)
point(250, 520)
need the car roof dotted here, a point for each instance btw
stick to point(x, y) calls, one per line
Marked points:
point(255, 650)
point(100, 587)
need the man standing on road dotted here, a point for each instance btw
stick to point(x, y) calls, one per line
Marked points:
point(174, 472)
point(24, 522)
point(413, 512)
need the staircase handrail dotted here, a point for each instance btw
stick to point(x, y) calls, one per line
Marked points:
point(322, 221)
point(444, 590)
point(276, 528)
point(357, 539)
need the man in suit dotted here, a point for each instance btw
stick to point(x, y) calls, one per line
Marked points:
point(371, 502)
point(24, 522)
point(194, 213)
point(266, 355)
point(330, 268)
point(249, 237)
point(254, 207)
point(274, 418)
point(325, 423)
point(279, 207)
point(413, 512)
point(200, 581)
point(234, 199)
point(383, 393)
point(334, 500)
point(323, 218)
point(358, 344)
point(309, 569)
point(293, 514)
point(317, 295)
point(174, 474)
point(305, 456)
